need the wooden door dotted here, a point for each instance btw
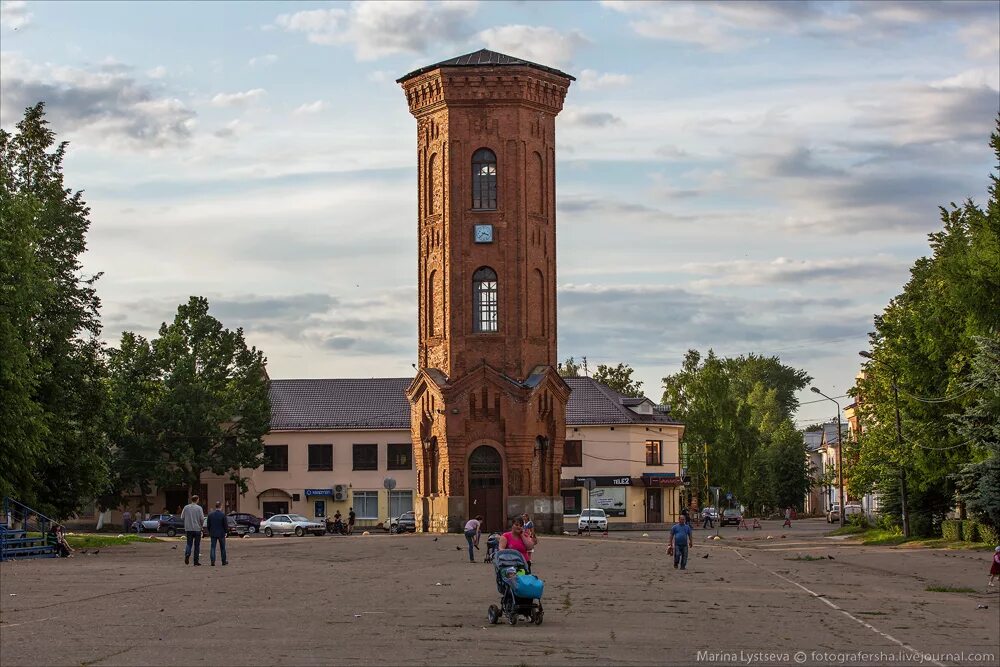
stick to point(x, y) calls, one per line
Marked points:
point(654, 505)
point(486, 487)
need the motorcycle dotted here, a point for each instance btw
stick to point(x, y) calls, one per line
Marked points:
point(336, 527)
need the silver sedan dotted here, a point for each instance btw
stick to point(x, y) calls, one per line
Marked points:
point(288, 524)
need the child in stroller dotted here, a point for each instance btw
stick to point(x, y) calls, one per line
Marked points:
point(492, 544)
point(520, 593)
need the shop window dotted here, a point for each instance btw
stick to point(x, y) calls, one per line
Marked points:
point(366, 457)
point(571, 502)
point(400, 456)
point(573, 454)
point(320, 457)
point(400, 502)
point(275, 457)
point(366, 504)
point(654, 452)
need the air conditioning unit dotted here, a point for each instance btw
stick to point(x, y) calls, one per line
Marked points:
point(340, 492)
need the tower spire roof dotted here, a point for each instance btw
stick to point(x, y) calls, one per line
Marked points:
point(484, 58)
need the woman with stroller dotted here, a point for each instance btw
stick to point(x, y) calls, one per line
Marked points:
point(518, 540)
point(473, 528)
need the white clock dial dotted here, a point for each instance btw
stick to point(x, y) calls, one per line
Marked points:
point(484, 233)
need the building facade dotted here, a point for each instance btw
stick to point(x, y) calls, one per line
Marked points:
point(487, 405)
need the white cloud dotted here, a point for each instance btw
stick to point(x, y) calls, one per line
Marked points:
point(379, 29)
point(268, 59)
point(14, 14)
point(535, 43)
point(589, 79)
point(982, 40)
point(106, 103)
point(157, 72)
point(239, 98)
point(584, 118)
point(310, 108)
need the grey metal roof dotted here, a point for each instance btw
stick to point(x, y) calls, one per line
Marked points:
point(483, 58)
point(381, 403)
point(594, 403)
point(373, 403)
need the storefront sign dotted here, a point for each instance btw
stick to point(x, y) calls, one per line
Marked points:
point(661, 480)
point(608, 480)
point(319, 492)
point(611, 499)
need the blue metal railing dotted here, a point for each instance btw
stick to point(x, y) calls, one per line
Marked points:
point(25, 532)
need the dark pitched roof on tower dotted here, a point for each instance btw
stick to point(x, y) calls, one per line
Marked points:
point(483, 58)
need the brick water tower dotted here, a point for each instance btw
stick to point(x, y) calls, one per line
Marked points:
point(488, 409)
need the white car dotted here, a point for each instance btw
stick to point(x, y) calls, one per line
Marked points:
point(833, 515)
point(288, 524)
point(592, 519)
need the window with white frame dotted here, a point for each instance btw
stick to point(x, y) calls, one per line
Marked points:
point(399, 502)
point(366, 504)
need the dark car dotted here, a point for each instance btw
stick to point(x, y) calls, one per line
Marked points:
point(404, 523)
point(731, 516)
point(174, 525)
point(243, 519)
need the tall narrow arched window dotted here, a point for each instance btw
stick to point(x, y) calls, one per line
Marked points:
point(484, 179)
point(484, 300)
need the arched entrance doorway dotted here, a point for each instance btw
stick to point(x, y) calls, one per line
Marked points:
point(486, 487)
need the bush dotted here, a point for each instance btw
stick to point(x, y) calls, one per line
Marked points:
point(887, 521)
point(989, 535)
point(951, 530)
point(859, 520)
point(970, 530)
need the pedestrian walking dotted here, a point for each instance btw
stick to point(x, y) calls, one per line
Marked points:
point(218, 527)
point(473, 529)
point(707, 521)
point(686, 515)
point(788, 518)
point(126, 520)
point(351, 517)
point(680, 540)
point(994, 569)
point(193, 516)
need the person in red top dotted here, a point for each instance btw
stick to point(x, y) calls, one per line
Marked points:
point(517, 539)
point(995, 568)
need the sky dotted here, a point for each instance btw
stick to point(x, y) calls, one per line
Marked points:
point(745, 177)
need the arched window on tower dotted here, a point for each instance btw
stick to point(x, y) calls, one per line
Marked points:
point(484, 301)
point(484, 180)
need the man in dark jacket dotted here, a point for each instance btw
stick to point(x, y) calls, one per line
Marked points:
point(218, 526)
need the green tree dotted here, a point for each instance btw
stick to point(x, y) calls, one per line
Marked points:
point(732, 409)
point(51, 377)
point(924, 342)
point(620, 379)
point(569, 368)
point(194, 400)
point(979, 481)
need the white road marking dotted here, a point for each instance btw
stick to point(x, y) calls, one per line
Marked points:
point(845, 613)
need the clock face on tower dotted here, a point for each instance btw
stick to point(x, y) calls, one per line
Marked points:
point(484, 233)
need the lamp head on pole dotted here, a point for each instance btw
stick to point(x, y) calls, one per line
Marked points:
point(866, 354)
point(814, 390)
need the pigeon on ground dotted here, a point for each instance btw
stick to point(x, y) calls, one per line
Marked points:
point(830, 557)
point(436, 539)
point(456, 546)
point(174, 547)
point(705, 556)
point(97, 552)
point(83, 551)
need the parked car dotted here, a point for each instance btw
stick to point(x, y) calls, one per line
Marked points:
point(731, 516)
point(288, 524)
point(833, 515)
point(404, 523)
point(251, 522)
point(711, 513)
point(233, 529)
point(150, 525)
point(592, 519)
point(174, 525)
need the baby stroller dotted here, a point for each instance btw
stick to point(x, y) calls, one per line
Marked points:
point(492, 544)
point(520, 594)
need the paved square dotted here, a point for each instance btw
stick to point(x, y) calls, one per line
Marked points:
point(608, 600)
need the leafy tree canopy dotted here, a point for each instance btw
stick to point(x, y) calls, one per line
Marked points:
point(620, 379)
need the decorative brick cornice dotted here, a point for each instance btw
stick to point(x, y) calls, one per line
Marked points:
point(454, 87)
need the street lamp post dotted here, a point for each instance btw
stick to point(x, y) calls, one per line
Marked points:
point(899, 440)
point(840, 455)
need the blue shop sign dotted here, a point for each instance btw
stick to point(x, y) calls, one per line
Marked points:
point(319, 492)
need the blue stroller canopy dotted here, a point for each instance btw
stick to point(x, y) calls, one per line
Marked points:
point(508, 558)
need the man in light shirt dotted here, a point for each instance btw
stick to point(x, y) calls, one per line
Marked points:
point(193, 516)
point(473, 527)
